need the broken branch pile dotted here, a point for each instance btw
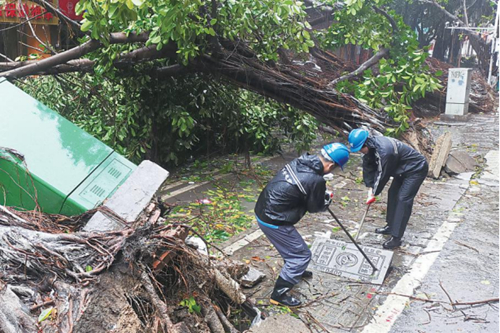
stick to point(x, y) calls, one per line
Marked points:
point(144, 278)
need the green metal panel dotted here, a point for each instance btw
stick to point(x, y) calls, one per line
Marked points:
point(17, 187)
point(58, 154)
point(101, 184)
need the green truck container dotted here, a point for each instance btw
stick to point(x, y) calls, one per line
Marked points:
point(62, 168)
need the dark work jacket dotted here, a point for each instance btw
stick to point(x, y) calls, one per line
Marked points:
point(389, 157)
point(282, 202)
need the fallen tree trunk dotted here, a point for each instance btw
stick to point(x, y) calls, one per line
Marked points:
point(307, 91)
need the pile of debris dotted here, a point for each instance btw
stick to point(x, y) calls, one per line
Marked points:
point(55, 277)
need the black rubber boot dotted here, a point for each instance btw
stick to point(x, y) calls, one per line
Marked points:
point(384, 231)
point(280, 296)
point(392, 243)
point(307, 275)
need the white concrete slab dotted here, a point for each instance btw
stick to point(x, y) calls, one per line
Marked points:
point(131, 198)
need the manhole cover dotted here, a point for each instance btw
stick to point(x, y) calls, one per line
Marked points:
point(344, 259)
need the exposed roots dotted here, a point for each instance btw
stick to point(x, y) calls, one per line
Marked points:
point(141, 279)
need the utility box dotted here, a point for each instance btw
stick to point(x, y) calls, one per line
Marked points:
point(458, 91)
point(60, 167)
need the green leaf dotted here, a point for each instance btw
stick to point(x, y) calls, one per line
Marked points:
point(196, 308)
point(45, 314)
point(138, 3)
point(86, 25)
point(79, 7)
point(156, 39)
point(88, 268)
point(112, 10)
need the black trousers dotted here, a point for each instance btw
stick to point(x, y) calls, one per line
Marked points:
point(403, 190)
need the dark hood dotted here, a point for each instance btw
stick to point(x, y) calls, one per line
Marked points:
point(307, 162)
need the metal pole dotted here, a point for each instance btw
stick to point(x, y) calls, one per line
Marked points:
point(493, 46)
point(362, 221)
point(353, 241)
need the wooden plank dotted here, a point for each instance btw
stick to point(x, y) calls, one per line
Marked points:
point(440, 155)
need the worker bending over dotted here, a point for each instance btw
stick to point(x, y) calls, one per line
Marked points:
point(384, 158)
point(297, 188)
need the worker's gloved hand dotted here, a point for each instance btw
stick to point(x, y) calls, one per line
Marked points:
point(328, 198)
point(371, 198)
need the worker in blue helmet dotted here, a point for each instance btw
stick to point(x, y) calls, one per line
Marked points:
point(298, 188)
point(384, 158)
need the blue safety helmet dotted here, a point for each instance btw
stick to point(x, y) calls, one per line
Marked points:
point(336, 152)
point(357, 139)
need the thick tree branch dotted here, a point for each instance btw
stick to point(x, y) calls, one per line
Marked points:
point(74, 53)
point(364, 66)
point(444, 11)
point(169, 71)
point(382, 52)
point(465, 13)
point(148, 53)
point(388, 17)
point(123, 61)
point(61, 58)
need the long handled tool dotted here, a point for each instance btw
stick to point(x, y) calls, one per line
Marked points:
point(368, 204)
point(354, 242)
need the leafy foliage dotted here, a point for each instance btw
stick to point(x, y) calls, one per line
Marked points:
point(357, 24)
point(170, 121)
point(397, 85)
point(266, 24)
point(401, 78)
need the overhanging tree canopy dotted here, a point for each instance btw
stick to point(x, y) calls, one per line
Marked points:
point(252, 44)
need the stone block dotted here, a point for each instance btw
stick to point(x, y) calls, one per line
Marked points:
point(459, 162)
point(251, 278)
point(439, 155)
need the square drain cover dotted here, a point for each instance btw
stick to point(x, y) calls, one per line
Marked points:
point(344, 259)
